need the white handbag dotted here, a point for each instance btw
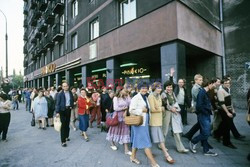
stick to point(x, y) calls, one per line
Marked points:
point(57, 124)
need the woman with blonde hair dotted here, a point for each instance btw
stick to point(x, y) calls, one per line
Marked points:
point(156, 119)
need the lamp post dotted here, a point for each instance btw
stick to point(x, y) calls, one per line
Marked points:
point(6, 39)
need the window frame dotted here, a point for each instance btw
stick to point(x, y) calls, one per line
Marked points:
point(92, 29)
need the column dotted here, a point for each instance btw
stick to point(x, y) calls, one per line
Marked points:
point(113, 72)
point(49, 81)
point(173, 55)
point(84, 76)
point(43, 82)
point(38, 84)
point(58, 79)
point(69, 77)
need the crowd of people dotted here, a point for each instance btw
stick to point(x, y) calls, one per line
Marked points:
point(162, 107)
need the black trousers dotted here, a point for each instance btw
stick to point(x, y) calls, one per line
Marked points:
point(183, 114)
point(4, 124)
point(65, 119)
point(224, 128)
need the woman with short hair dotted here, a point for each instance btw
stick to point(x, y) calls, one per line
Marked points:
point(5, 106)
point(140, 137)
point(40, 109)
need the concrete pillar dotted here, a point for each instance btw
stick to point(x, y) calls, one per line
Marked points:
point(38, 84)
point(49, 81)
point(173, 55)
point(58, 79)
point(69, 77)
point(113, 72)
point(84, 76)
point(43, 80)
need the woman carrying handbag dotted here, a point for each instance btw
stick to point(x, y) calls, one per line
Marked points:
point(140, 134)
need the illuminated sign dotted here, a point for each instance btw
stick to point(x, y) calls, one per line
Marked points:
point(133, 71)
point(48, 69)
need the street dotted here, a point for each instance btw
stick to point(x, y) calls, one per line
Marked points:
point(31, 147)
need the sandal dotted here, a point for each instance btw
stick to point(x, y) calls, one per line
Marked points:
point(136, 161)
point(113, 148)
point(170, 159)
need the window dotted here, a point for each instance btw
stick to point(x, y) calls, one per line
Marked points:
point(61, 49)
point(40, 62)
point(74, 41)
point(127, 11)
point(62, 24)
point(74, 8)
point(94, 29)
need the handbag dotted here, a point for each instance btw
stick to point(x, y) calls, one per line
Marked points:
point(57, 124)
point(133, 120)
point(112, 120)
point(33, 123)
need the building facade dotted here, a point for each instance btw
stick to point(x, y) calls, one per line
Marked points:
point(104, 41)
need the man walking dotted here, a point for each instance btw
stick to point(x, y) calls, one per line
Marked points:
point(203, 110)
point(64, 104)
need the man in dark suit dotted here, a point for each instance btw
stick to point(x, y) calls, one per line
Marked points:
point(64, 104)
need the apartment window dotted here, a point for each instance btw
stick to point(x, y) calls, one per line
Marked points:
point(74, 41)
point(127, 11)
point(61, 49)
point(40, 62)
point(94, 29)
point(62, 23)
point(74, 8)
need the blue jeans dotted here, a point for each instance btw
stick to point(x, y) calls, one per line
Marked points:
point(205, 131)
point(28, 104)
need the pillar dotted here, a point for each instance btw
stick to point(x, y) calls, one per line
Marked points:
point(173, 55)
point(69, 77)
point(113, 72)
point(84, 76)
point(58, 79)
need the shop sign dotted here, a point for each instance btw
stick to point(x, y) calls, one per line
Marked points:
point(48, 69)
point(133, 71)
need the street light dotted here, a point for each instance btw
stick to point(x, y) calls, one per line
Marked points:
point(6, 38)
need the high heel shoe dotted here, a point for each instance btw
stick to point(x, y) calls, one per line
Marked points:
point(169, 159)
point(136, 161)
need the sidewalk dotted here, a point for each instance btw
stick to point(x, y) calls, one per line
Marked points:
point(31, 147)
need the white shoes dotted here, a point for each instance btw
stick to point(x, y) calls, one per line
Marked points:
point(113, 148)
point(128, 153)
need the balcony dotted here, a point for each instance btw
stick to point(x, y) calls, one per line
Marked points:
point(25, 50)
point(42, 5)
point(37, 34)
point(58, 32)
point(58, 6)
point(33, 4)
point(25, 36)
point(49, 15)
point(25, 23)
point(48, 40)
point(25, 63)
point(25, 10)
point(42, 26)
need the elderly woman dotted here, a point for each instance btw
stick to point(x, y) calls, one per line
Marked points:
point(120, 133)
point(140, 134)
point(173, 116)
point(156, 119)
point(5, 106)
point(41, 109)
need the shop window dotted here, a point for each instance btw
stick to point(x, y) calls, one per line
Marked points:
point(74, 8)
point(94, 29)
point(127, 11)
point(61, 49)
point(74, 41)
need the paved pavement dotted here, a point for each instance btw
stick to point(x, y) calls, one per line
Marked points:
point(30, 147)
